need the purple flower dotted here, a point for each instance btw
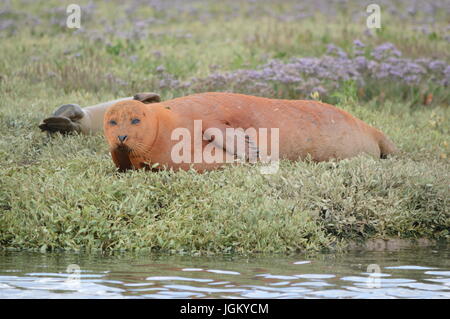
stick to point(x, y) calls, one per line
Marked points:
point(160, 69)
point(357, 43)
point(334, 50)
point(299, 77)
point(437, 65)
point(385, 50)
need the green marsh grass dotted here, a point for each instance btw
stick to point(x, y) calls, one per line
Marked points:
point(64, 192)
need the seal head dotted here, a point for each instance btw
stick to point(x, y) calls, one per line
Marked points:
point(130, 129)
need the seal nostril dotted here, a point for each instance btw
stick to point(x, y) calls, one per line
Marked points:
point(122, 138)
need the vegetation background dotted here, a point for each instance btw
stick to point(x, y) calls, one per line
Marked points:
point(65, 193)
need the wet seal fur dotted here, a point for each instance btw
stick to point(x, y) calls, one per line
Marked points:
point(139, 135)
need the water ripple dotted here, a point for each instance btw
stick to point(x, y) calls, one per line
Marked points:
point(21, 276)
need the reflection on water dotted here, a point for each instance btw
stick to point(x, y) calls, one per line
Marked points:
point(418, 273)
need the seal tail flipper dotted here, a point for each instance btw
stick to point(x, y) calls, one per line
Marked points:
point(64, 119)
point(71, 111)
point(385, 144)
point(60, 124)
point(147, 98)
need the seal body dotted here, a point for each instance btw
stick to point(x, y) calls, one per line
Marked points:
point(88, 120)
point(142, 135)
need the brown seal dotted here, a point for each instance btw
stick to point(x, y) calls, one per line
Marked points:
point(142, 136)
point(88, 120)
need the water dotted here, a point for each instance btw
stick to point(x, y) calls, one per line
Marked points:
point(415, 273)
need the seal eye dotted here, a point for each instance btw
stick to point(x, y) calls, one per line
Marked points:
point(135, 121)
point(112, 122)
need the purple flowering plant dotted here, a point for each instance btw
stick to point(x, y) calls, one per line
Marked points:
point(382, 70)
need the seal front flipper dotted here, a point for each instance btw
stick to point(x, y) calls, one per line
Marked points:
point(234, 141)
point(64, 120)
